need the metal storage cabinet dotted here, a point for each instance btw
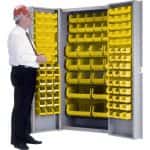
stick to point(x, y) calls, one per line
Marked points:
point(98, 95)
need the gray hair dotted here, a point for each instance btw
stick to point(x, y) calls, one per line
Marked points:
point(17, 18)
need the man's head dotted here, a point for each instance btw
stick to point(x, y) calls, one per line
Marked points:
point(22, 16)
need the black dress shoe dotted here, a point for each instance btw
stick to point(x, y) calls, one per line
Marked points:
point(21, 146)
point(31, 140)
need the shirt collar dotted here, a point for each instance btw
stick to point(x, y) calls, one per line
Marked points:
point(20, 29)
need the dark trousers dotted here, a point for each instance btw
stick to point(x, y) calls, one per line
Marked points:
point(23, 80)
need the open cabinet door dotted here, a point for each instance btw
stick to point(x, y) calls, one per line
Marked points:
point(46, 104)
point(126, 116)
point(117, 108)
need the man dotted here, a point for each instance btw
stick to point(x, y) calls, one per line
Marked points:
point(24, 62)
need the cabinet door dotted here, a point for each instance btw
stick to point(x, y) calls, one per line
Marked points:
point(46, 104)
point(125, 43)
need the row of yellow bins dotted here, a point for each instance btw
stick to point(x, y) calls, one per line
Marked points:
point(87, 37)
point(85, 64)
point(85, 77)
point(119, 66)
point(47, 95)
point(86, 50)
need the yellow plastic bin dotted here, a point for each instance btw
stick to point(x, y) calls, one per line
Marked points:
point(109, 73)
point(98, 77)
point(126, 115)
point(72, 38)
point(97, 64)
point(100, 26)
point(83, 51)
point(49, 94)
point(125, 65)
point(41, 111)
point(116, 73)
point(56, 100)
point(126, 58)
point(76, 108)
point(49, 110)
point(109, 90)
point(40, 96)
point(80, 18)
point(109, 105)
point(125, 99)
point(78, 92)
point(56, 78)
point(99, 110)
point(49, 81)
point(85, 77)
point(72, 18)
point(109, 98)
point(49, 102)
point(125, 83)
point(56, 109)
point(116, 98)
point(73, 28)
point(115, 90)
point(100, 16)
point(89, 27)
point(88, 37)
point(80, 37)
point(97, 37)
point(96, 51)
point(40, 82)
point(88, 18)
point(80, 27)
point(41, 89)
point(71, 50)
point(126, 107)
point(40, 103)
point(72, 77)
point(116, 83)
point(113, 114)
point(72, 64)
point(125, 91)
point(84, 64)
point(126, 50)
point(109, 82)
point(126, 74)
point(99, 93)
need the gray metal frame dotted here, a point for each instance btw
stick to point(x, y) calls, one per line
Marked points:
point(43, 123)
point(131, 128)
point(76, 123)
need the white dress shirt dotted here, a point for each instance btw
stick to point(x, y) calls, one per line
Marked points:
point(20, 49)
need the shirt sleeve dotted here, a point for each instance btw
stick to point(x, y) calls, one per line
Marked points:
point(22, 54)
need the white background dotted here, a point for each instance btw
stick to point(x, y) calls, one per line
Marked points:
point(65, 139)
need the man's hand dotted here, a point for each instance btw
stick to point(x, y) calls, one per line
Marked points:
point(41, 59)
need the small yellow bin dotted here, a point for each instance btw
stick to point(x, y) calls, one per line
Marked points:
point(84, 64)
point(125, 99)
point(80, 93)
point(75, 108)
point(85, 77)
point(99, 94)
point(98, 77)
point(72, 77)
point(125, 91)
point(72, 64)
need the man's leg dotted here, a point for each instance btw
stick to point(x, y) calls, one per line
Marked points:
point(30, 78)
point(18, 116)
